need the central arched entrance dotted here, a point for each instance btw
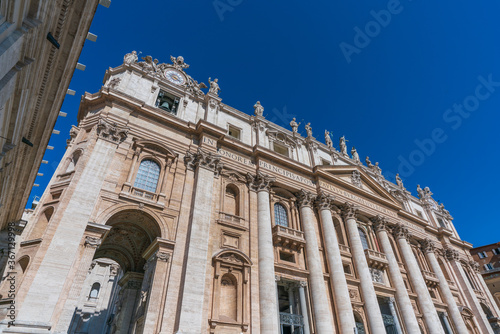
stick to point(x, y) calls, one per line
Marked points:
point(117, 289)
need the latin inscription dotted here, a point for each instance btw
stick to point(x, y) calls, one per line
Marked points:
point(293, 176)
point(357, 199)
point(286, 173)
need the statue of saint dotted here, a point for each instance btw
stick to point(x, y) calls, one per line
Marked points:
point(355, 155)
point(130, 58)
point(258, 108)
point(328, 140)
point(294, 125)
point(148, 64)
point(214, 86)
point(309, 130)
point(420, 192)
point(399, 181)
point(343, 147)
point(368, 162)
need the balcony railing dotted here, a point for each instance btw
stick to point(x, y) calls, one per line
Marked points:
point(376, 259)
point(430, 278)
point(288, 237)
point(144, 194)
point(291, 319)
point(232, 220)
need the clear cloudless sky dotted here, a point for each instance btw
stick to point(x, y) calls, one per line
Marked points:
point(404, 74)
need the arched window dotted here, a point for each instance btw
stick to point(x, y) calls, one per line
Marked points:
point(94, 291)
point(280, 216)
point(147, 175)
point(41, 224)
point(360, 327)
point(231, 200)
point(73, 161)
point(23, 263)
point(364, 240)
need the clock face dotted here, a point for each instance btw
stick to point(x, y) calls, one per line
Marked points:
point(174, 77)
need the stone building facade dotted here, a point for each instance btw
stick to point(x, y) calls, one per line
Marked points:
point(488, 258)
point(172, 212)
point(40, 42)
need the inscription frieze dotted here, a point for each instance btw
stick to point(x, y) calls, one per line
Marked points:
point(356, 199)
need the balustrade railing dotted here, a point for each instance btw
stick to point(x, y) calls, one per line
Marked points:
point(144, 194)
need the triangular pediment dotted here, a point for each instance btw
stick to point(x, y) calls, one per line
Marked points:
point(356, 180)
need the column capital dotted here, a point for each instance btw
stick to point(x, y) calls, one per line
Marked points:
point(401, 232)
point(260, 181)
point(451, 254)
point(203, 159)
point(324, 201)
point(303, 284)
point(428, 245)
point(474, 266)
point(379, 223)
point(92, 242)
point(349, 211)
point(111, 131)
point(305, 198)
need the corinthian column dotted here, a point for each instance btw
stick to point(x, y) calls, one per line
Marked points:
point(409, 318)
point(343, 305)
point(372, 307)
point(191, 319)
point(428, 248)
point(321, 308)
point(267, 285)
point(454, 258)
point(424, 298)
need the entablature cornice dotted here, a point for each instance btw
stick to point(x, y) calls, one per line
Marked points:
point(414, 219)
point(327, 181)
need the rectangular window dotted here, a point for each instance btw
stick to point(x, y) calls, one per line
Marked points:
point(441, 223)
point(482, 255)
point(496, 251)
point(280, 149)
point(234, 132)
point(488, 266)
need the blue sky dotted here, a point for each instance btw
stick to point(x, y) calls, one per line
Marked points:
point(389, 75)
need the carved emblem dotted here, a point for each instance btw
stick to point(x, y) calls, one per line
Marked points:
point(356, 179)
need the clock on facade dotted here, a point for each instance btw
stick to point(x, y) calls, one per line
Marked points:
point(174, 77)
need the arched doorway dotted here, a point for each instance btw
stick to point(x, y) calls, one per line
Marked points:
point(117, 289)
